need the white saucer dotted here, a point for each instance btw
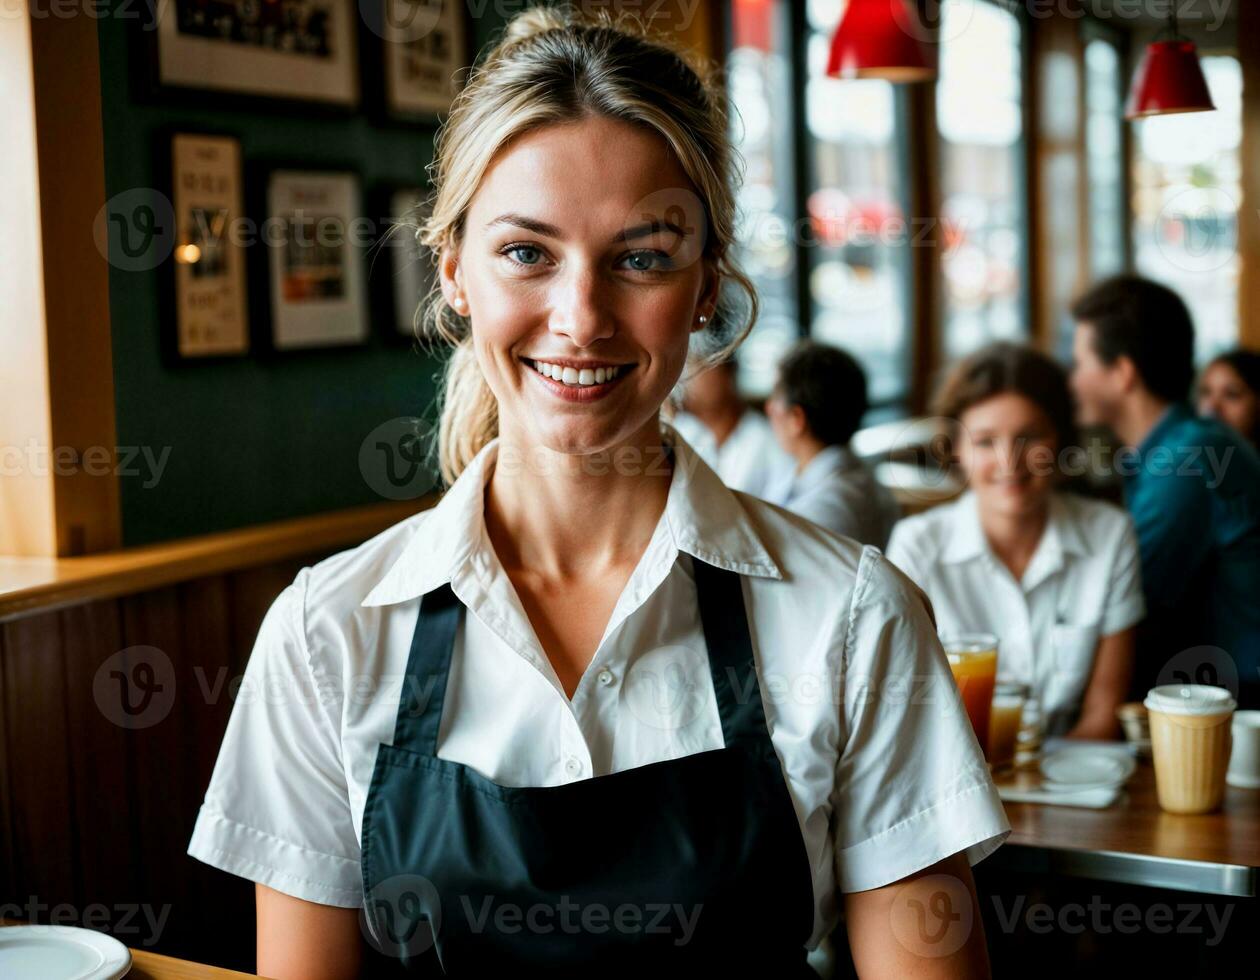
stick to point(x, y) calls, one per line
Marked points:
point(1071, 770)
point(61, 953)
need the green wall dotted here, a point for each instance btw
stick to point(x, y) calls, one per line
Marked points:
point(268, 435)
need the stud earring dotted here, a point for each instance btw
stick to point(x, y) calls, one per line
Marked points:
point(702, 318)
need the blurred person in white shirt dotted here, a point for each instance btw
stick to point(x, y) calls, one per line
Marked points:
point(817, 404)
point(732, 437)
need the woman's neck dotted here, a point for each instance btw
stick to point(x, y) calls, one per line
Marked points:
point(1013, 538)
point(565, 516)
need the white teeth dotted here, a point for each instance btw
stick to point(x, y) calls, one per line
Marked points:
point(574, 376)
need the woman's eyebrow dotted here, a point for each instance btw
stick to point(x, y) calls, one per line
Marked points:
point(543, 228)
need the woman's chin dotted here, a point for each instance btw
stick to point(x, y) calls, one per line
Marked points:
point(1016, 501)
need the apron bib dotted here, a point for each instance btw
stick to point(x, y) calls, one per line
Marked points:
point(671, 867)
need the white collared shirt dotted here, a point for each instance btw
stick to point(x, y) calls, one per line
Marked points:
point(880, 762)
point(750, 457)
point(1082, 583)
point(840, 492)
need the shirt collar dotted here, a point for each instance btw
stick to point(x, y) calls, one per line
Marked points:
point(702, 516)
point(1062, 536)
point(1173, 415)
point(822, 466)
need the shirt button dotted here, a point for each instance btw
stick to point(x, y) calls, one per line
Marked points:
point(573, 765)
point(605, 677)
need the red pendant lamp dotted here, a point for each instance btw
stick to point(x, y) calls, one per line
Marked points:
point(1170, 78)
point(881, 39)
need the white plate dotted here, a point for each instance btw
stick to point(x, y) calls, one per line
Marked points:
point(1071, 770)
point(61, 953)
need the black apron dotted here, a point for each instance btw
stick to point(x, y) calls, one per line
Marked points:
point(673, 867)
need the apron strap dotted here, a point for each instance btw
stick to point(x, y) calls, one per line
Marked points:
point(428, 665)
point(720, 596)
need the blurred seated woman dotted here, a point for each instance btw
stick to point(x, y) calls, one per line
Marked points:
point(1054, 575)
point(1229, 389)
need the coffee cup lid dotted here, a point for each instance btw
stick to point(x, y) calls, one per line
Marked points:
point(1189, 699)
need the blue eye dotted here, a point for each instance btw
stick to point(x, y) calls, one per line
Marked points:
point(523, 248)
point(656, 261)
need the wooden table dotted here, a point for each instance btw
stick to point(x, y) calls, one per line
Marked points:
point(1135, 842)
point(155, 966)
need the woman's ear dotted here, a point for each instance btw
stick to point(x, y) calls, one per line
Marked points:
point(706, 305)
point(450, 278)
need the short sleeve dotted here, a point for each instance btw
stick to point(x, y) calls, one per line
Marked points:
point(1125, 603)
point(912, 787)
point(277, 809)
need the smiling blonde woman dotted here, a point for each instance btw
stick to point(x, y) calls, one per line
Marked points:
point(595, 713)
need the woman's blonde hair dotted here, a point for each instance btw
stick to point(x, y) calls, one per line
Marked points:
point(556, 65)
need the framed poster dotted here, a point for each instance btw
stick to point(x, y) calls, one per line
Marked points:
point(314, 226)
point(210, 301)
point(286, 49)
point(413, 270)
point(426, 55)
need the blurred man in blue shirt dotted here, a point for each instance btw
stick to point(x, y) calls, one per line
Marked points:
point(1191, 484)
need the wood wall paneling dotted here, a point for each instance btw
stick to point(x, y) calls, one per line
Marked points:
point(99, 812)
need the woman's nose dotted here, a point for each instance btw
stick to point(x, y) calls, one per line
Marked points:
point(579, 310)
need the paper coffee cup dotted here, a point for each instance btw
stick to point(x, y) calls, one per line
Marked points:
point(1190, 740)
point(1244, 759)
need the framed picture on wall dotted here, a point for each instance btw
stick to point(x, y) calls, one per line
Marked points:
point(315, 259)
point(426, 54)
point(285, 49)
point(211, 307)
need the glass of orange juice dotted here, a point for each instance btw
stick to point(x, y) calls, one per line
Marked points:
point(1004, 721)
point(973, 660)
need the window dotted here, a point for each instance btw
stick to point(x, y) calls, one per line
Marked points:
point(858, 285)
point(1186, 191)
point(760, 80)
point(980, 119)
point(1104, 157)
point(823, 212)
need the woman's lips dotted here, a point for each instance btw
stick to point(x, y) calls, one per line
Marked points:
point(578, 392)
